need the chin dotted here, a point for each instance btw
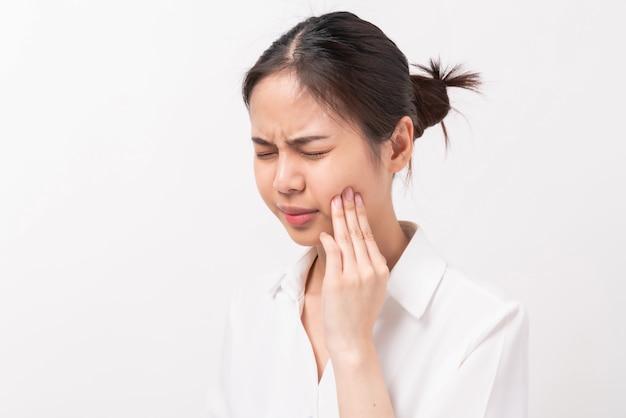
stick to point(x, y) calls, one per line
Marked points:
point(309, 235)
point(306, 238)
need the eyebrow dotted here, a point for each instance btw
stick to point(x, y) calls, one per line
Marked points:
point(303, 140)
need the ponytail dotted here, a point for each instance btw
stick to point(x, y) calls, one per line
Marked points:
point(430, 93)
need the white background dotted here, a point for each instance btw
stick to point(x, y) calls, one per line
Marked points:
point(128, 208)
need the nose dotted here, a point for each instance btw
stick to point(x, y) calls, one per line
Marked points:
point(288, 177)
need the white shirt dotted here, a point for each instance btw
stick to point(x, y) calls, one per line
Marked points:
point(447, 347)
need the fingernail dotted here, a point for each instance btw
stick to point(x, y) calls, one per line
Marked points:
point(337, 202)
point(349, 194)
point(358, 199)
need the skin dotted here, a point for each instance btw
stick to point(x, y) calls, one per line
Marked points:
point(315, 172)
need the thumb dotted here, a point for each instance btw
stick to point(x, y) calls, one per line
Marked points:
point(333, 256)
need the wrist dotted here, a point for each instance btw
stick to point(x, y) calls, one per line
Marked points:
point(353, 356)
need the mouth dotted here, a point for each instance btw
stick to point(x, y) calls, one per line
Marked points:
point(297, 216)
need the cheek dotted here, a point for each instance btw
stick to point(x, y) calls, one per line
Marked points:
point(264, 179)
point(332, 182)
point(365, 180)
point(333, 178)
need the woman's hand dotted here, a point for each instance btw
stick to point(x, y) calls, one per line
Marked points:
point(355, 281)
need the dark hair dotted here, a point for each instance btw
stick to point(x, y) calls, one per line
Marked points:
point(351, 66)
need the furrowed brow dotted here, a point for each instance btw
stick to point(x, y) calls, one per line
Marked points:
point(261, 141)
point(305, 140)
point(295, 142)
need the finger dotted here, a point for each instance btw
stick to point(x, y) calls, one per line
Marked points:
point(354, 229)
point(341, 234)
point(333, 257)
point(368, 236)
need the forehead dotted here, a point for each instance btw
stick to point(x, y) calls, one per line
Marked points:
point(281, 93)
point(280, 102)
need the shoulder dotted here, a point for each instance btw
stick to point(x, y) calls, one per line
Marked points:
point(481, 308)
point(424, 283)
point(470, 294)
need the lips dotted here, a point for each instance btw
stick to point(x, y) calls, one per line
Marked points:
point(297, 216)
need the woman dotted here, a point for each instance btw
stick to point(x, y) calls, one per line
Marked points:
point(370, 321)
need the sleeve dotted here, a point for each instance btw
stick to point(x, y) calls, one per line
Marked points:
point(216, 404)
point(491, 380)
point(233, 380)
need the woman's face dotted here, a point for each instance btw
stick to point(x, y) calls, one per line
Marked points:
point(305, 155)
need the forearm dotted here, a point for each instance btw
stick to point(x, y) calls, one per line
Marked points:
point(361, 388)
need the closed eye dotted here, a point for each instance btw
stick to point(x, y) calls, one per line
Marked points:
point(314, 155)
point(265, 155)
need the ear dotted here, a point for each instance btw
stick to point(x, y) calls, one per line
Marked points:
point(401, 145)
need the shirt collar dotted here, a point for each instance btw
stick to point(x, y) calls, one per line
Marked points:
point(415, 277)
point(293, 281)
point(412, 282)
